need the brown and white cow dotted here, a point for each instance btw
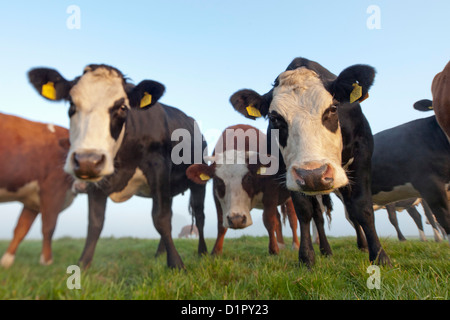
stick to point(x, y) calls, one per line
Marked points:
point(440, 89)
point(32, 156)
point(242, 182)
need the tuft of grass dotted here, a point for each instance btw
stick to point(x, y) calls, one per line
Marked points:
point(126, 268)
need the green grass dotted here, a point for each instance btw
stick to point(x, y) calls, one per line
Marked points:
point(126, 268)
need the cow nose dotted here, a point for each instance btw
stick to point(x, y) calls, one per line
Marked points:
point(88, 165)
point(314, 177)
point(237, 221)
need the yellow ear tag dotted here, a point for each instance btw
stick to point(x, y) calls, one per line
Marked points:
point(146, 100)
point(356, 93)
point(204, 177)
point(430, 108)
point(48, 91)
point(252, 111)
point(261, 170)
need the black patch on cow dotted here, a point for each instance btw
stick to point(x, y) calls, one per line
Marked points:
point(118, 114)
point(330, 119)
point(219, 186)
point(276, 121)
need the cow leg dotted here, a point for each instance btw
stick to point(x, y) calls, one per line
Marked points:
point(221, 230)
point(360, 209)
point(293, 223)
point(324, 246)
point(97, 207)
point(436, 199)
point(304, 210)
point(412, 211)
point(270, 220)
point(392, 215)
point(162, 220)
point(197, 201)
point(361, 240)
point(24, 223)
point(279, 230)
point(430, 216)
point(161, 248)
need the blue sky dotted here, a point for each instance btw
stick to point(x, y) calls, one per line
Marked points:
point(204, 51)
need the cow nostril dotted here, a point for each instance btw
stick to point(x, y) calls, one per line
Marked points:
point(230, 222)
point(244, 220)
point(99, 161)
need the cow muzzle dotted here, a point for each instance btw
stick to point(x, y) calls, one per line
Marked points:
point(238, 221)
point(88, 165)
point(314, 177)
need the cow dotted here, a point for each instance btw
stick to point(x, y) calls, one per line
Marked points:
point(440, 90)
point(412, 160)
point(188, 231)
point(239, 185)
point(410, 206)
point(121, 144)
point(325, 141)
point(31, 160)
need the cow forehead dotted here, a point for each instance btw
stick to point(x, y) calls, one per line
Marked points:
point(98, 87)
point(300, 92)
point(231, 172)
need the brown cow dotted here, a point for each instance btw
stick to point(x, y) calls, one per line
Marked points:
point(240, 183)
point(440, 89)
point(188, 230)
point(32, 157)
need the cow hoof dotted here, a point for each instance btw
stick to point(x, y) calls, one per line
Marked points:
point(7, 260)
point(281, 246)
point(383, 259)
point(295, 246)
point(43, 262)
point(307, 259)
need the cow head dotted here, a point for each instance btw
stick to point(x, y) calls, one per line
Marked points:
point(304, 106)
point(99, 103)
point(235, 181)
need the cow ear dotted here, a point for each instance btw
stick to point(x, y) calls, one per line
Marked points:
point(423, 105)
point(200, 173)
point(353, 84)
point(250, 103)
point(145, 94)
point(49, 83)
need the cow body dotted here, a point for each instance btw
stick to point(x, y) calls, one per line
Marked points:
point(122, 151)
point(324, 139)
point(32, 156)
point(240, 185)
point(413, 161)
point(440, 89)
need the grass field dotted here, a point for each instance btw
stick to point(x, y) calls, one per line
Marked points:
point(126, 268)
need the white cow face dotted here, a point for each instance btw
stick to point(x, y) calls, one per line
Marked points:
point(304, 106)
point(236, 182)
point(100, 101)
point(310, 135)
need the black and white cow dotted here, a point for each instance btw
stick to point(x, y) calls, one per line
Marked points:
point(124, 151)
point(413, 160)
point(325, 141)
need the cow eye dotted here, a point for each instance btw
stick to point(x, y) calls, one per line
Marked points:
point(277, 121)
point(333, 109)
point(72, 109)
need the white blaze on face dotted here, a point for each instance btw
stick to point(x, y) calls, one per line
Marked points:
point(301, 99)
point(93, 95)
point(236, 201)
